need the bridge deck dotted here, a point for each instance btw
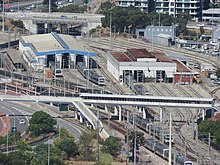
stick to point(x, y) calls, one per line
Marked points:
point(132, 100)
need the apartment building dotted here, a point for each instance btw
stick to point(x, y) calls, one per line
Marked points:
point(174, 7)
point(144, 5)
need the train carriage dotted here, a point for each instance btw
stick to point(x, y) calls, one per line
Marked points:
point(89, 73)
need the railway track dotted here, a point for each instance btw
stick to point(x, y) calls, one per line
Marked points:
point(124, 44)
point(178, 127)
point(105, 74)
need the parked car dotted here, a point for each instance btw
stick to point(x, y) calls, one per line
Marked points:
point(22, 121)
point(200, 25)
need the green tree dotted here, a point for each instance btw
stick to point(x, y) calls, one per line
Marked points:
point(212, 127)
point(202, 31)
point(13, 137)
point(104, 159)
point(53, 6)
point(41, 155)
point(72, 9)
point(218, 72)
point(111, 146)
point(65, 134)
point(86, 149)
point(17, 23)
point(4, 159)
point(41, 123)
point(140, 140)
point(68, 146)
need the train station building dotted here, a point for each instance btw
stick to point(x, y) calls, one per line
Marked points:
point(145, 66)
point(63, 50)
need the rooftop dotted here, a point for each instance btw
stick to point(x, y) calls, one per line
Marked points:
point(14, 55)
point(45, 42)
point(215, 118)
point(141, 53)
point(121, 57)
point(53, 43)
point(181, 67)
point(162, 57)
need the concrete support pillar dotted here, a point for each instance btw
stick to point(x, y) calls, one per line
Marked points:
point(80, 118)
point(203, 114)
point(87, 124)
point(119, 113)
point(161, 114)
point(92, 105)
point(140, 109)
point(116, 110)
point(76, 114)
point(212, 112)
point(51, 104)
point(106, 108)
point(144, 113)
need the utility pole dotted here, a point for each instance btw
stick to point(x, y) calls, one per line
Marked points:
point(7, 143)
point(97, 136)
point(135, 143)
point(127, 159)
point(209, 142)
point(110, 28)
point(3, 16)
point(48, 158)
point(170, 142)
point(159, 18)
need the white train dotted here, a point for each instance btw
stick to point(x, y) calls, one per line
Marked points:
point(89, 73)
point(163, 151)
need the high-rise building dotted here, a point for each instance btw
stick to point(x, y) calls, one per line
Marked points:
point(175, 7)
point(144, 5)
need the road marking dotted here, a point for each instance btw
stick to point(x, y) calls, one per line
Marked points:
point(22, 113)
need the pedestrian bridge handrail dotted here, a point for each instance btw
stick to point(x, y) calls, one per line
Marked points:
point(89, 115)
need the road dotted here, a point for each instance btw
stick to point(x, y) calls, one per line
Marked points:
point(15, 113)
point(14, 110)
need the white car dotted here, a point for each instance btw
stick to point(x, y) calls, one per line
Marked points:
point(22, 121)
point(200, 25)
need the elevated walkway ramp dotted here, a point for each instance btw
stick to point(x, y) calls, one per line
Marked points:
point(89, 115)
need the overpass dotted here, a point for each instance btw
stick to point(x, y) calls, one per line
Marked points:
point(31, 20)
point(109, 99)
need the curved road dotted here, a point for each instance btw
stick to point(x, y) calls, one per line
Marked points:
point(17, 112)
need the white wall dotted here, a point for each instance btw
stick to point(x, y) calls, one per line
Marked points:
point(147, 59)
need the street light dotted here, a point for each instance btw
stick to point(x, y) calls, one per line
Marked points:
point(14, 119)
point(49, 6)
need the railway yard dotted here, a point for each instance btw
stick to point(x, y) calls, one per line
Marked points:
point(185, 120)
